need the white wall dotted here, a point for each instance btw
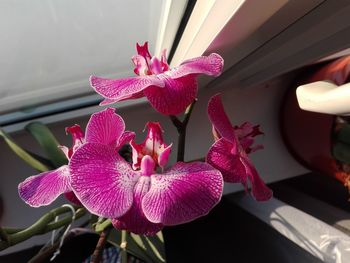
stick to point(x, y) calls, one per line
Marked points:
point(258, 104)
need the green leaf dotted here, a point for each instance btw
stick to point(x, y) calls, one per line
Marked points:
point(23, 154)
point(48, 142)
point(114, 238)
point(154, 249)
point(157, 244)
point(140, 246)
point(341, 152)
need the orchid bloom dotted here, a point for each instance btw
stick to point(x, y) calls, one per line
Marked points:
point(229, 152)
point(104, 127)
point(169, 91)
point(143, 201)
point(153, 146)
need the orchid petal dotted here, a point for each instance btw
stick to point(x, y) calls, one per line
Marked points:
point(155, 66)
point(65, 150)
point(183, 193)
point(220, 120)
point(211, 65)
point(237, 168)
point(43, 189)
point(163, 61)
point(259, 190)
point(134, 220)
point(175, 96)
point(126, 88)
point(102, 180)
point(137, 154)
point(104, 127)
point(131, 97)
point(163, 157)
point(78, 139)
point(125, 138)
point(153, 146)
point(220, 157)
point(141, 66)
point(143, 50)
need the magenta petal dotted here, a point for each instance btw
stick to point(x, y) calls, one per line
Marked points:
point(141, 66)
point(163, 157)
point(134, 220)
point(102, 180)
point(107, 102)
point(125, 138)
point(211, 65)
point(120, 89)
point(236, 168)
point(183, 193)
point(220, 157)
point(104, 127)
point(44, 188)
point(175, 96)
point(259, 190)
point(132, 96)
point(219, 119)
point(143, 50)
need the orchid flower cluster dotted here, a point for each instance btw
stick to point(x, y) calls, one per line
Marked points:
point(144, 195)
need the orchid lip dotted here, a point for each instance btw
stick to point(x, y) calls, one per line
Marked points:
point(147, 165)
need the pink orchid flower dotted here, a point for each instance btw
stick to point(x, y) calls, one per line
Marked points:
point(229, 153)
point(104, 127)
point(169, 91)
point(153, 146)
point(143, 201)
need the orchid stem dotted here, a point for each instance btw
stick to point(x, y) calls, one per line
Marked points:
point(181, 127)
point(43, 225)
point(97, 255)
point(123, 244)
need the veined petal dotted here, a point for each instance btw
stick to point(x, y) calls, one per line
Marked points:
point(78, 139)
point(143, 50)
point(163, 157)
point(211, 65)
point(175, 96)
point(65, 150)
point(105, 127)
point(102, 180)
point(237, 168)
point(131, 97)
point(141, 66)
point(120, 89)
point(43, 189)
point(220, 157)
point(163, 61)
point(134, 220)
point(220, 120)
point(126, 137)
point(183, 193)
point(259, 190)
point(153, 146)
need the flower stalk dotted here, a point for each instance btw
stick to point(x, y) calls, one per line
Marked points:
point(97, 255)
point(43, 225)
point(181, 127)
point(123, 243)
